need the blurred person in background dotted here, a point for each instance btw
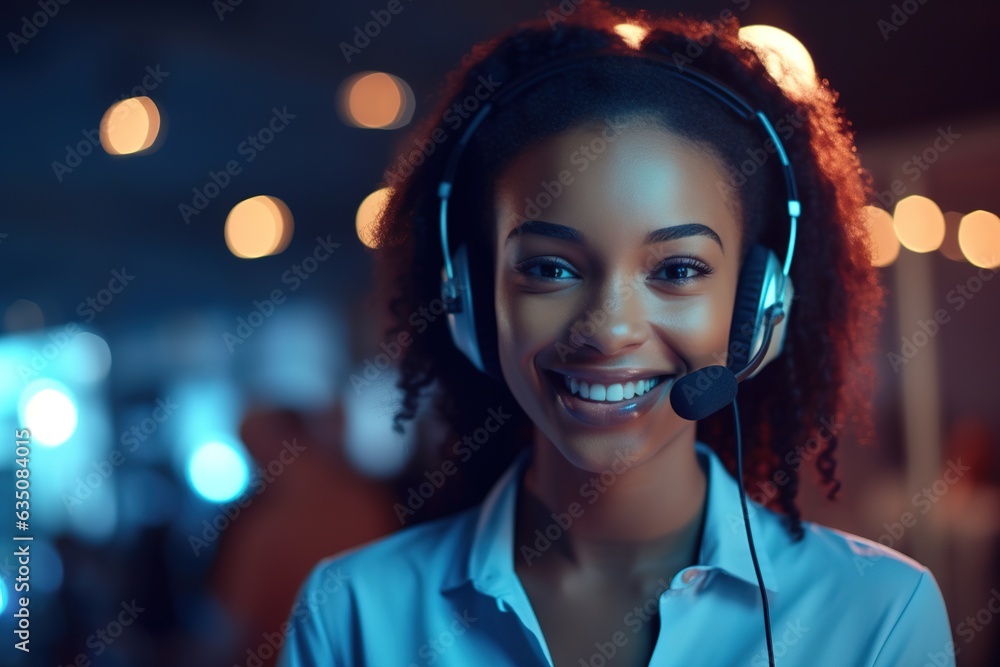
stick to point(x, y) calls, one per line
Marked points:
point(321, 506)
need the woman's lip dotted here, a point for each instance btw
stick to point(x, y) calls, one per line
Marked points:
point(605, 413)
point(558, 378)
point(590, 376)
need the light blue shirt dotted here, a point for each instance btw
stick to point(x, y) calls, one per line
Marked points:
point(446, 593)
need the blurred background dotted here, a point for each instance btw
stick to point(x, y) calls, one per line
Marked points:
point(185, 294)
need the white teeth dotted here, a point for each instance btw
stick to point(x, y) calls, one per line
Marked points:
point(610, 393)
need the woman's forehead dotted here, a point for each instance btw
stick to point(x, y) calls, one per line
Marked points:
point(631, 178)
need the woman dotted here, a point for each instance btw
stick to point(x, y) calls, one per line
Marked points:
point(602, 219)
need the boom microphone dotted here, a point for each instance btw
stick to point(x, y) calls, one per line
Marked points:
point(703, 392)
point(707, 390)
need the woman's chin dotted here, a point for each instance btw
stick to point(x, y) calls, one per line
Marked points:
point(610, 449)
point(603, 455)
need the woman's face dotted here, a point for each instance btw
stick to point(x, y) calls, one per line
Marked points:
point(617, 258)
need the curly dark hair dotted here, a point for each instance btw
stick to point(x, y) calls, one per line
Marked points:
point(822, 374)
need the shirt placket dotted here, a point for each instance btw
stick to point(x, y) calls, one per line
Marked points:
point(676, 643)
point(516, 601)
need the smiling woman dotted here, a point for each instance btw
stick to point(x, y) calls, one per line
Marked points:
point(597, 254)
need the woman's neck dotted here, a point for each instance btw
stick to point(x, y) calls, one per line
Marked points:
point(639, 520)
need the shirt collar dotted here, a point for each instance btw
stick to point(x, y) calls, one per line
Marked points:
point(489, 564)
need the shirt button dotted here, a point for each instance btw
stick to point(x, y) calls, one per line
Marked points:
point(690, 576)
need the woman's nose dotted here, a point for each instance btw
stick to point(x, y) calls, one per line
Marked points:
point(618, 321)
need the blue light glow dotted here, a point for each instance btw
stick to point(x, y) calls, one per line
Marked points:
point(218, 472)
point(49, 412)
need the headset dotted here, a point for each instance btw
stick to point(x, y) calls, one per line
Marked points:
point(764, 293)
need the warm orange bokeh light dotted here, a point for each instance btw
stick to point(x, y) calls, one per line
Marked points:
point(979, 238)
point(919, 223)
point(368, 214)
point(376, 100)
point(130, 126)
point(631, 34)
point(258, 226)
point(885, 245)
point(784, 56)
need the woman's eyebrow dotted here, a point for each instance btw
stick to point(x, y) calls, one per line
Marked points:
point(564, 233)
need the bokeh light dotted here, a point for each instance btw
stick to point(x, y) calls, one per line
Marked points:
point(89, 358)
point(130, 126)
point(49, 412)
point(258, 227)
point(370, 443)
point(979, 238)
point(631, 34)
point(885, 245)
point(376, 100)
point(784, 56)
point(218, 472)
point(23, 315)
point(368, 214)
point(919, 223)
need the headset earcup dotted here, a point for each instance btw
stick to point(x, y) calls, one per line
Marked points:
point(747, 310)
point(482, 293)
point(461, 320)
point(781, 329)
point(473, 328)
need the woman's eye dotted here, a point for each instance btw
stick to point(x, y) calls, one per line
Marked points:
point(546, 270)
point(679, 272)
point(684, 271)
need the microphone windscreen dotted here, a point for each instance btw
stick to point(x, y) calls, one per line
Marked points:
point(703, 392)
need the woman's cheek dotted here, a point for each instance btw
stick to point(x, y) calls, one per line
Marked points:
point(521, 321)
point(700, 331)
point(536, 322)
point(719, 336)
